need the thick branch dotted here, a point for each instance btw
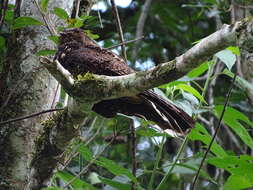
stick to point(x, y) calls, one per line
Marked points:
point(60, 74)
point(94, 88)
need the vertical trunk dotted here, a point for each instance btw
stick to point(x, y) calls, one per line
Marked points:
point(33, 90)
point(244, 62)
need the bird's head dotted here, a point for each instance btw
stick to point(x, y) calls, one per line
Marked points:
point(75, 35)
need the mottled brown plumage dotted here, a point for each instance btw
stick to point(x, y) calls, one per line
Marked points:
point(79, 54)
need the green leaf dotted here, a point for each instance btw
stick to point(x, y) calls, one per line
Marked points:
point(91, 35)
point(2, 43)
point(211, 1)
point(25, 21)
point(171, 84)
point(191, 90)
point(115, 184)
point(200, 69)
point(9, 16)
point(61, 13)
point(236, 182)
point(85, 152)
point(11, 6)
point(44, 4)
point(45, 52)
point(55, 39)
point(77, 183)
point(189, 167)
point(226, 57)
point(200, 133)
point(52, 188)
point(237, 166)
point(149, 132)
point(232, 118)
point(78, 23)
point(234, 49)
point(115, 168)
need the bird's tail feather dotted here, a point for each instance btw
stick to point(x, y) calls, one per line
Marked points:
point(171, 117)
point(150, 106)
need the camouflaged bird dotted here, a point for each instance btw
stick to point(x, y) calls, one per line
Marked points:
point(79, 54)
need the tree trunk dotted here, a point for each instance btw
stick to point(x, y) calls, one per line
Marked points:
point(34, 90)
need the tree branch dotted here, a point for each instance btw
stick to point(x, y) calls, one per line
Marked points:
point(97, 88)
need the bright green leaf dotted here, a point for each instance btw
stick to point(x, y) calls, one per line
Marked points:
point(44, 4)
point(85, 152)
point(236, 182)
point(25, 21)
point(77, 183)
point(236, 165)
point(115, 184)
point(199, 133)
point(91, 35)
point(149, 132)
point(200, 69)
point(234, 49)
point(171, 84)
point(115, 168)
point(227, 57)
point(232, 118)
point(45, 52)
point(55, 39)
point(11, 6)
point(191, 90)
point(61, 13)
point(78, 23)
point(9, 16)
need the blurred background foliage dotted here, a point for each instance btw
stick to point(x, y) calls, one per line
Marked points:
point(102, 157)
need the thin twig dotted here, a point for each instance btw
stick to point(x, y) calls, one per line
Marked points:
point(119, 28)
point(30, 116)
point(50, 28)
point(140, 26)
point(214, 135)
point(55, 94)
point(99, 17)
point(203, 120)
point(133, 150)
point(127, 42)
point(76, 8)
point(158, 158)
point(164, 180)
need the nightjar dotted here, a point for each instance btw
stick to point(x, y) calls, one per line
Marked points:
point(80, 54)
